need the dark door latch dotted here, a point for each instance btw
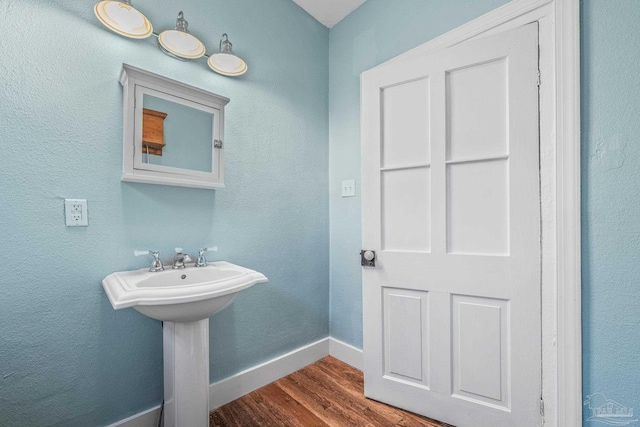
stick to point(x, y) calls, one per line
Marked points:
point(367, 258)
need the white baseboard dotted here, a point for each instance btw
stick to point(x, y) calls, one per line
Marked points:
point(229, 389)
point(244, 382)
point(347, 353)
point(148, 418)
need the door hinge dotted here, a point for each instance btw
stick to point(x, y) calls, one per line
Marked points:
point(217, 143)
point(542, 409)
point(539, 82)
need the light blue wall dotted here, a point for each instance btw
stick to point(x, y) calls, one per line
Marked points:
point(610, 62)
point(66, 357)
point(377, 31)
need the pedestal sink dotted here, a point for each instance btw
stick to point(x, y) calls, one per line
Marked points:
point(183, 300)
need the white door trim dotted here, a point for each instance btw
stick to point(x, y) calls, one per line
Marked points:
point(560, 174)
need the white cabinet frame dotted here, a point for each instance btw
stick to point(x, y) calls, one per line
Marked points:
point(136, 82)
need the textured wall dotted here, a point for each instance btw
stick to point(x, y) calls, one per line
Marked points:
point(377, 31)
point(610, 200)
point(66, 357)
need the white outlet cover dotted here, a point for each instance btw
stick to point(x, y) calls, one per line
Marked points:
point(76, 213)
point(349, 188)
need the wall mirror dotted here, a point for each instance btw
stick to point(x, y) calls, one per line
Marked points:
point(173, 132)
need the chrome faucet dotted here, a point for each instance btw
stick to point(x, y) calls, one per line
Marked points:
point(202, 260)
point(156, 264)
point(180, 259)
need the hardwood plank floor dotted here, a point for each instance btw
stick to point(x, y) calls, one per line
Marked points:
point(328, 393)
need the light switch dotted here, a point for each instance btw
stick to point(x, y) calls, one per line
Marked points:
point(349, 188)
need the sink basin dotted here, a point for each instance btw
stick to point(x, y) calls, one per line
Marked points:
point(183, 300)
point(179, 295)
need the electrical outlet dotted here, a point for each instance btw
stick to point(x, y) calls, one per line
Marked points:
point(76, 213)
point(349, 188)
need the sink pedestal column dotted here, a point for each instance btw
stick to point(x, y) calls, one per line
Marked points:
point(186, 373)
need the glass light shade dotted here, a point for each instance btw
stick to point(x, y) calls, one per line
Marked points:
point(227, 64)
point(122, 18)
point(181, 44)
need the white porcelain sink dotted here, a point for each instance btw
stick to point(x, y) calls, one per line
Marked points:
point(179, 295)
point(183, 300)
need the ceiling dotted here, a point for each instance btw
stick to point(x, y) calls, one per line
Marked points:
point(329, 12)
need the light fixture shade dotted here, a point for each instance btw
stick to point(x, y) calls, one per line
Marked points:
point(226, 62)
point(122, 18)
point(180, 43)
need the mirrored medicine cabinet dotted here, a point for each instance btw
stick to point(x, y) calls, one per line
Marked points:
point(173, 132)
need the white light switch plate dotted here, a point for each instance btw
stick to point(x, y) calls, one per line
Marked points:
point(76, 213)
point(349, 188)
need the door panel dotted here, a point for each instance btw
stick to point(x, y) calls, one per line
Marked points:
point(477, 111)
point(480, 346)
point(406, 210)
point(451, 205)
point(478, 207)
point(405, 130)
point(406, 326)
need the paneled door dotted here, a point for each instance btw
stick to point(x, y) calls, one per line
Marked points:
point(451, 205)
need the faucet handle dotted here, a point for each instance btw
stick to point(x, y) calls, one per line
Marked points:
point(152, 253)
point(156, 265)
point(202, 260)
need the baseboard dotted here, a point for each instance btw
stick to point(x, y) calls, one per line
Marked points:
point(347, 353)
point(229, 389)
point(244, 382)
point(148, 418)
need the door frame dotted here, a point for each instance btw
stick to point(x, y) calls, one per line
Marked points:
point(560, 187)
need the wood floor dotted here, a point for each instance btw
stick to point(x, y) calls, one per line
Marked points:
point(327, 393)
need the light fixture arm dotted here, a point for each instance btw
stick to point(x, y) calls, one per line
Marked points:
point(181, 23)
point(225, 44)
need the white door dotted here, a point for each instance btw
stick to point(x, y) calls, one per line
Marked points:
point(451, 205)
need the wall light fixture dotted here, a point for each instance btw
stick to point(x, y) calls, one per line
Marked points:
point(122, 18)
point(226, 62)
point(180, 42)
